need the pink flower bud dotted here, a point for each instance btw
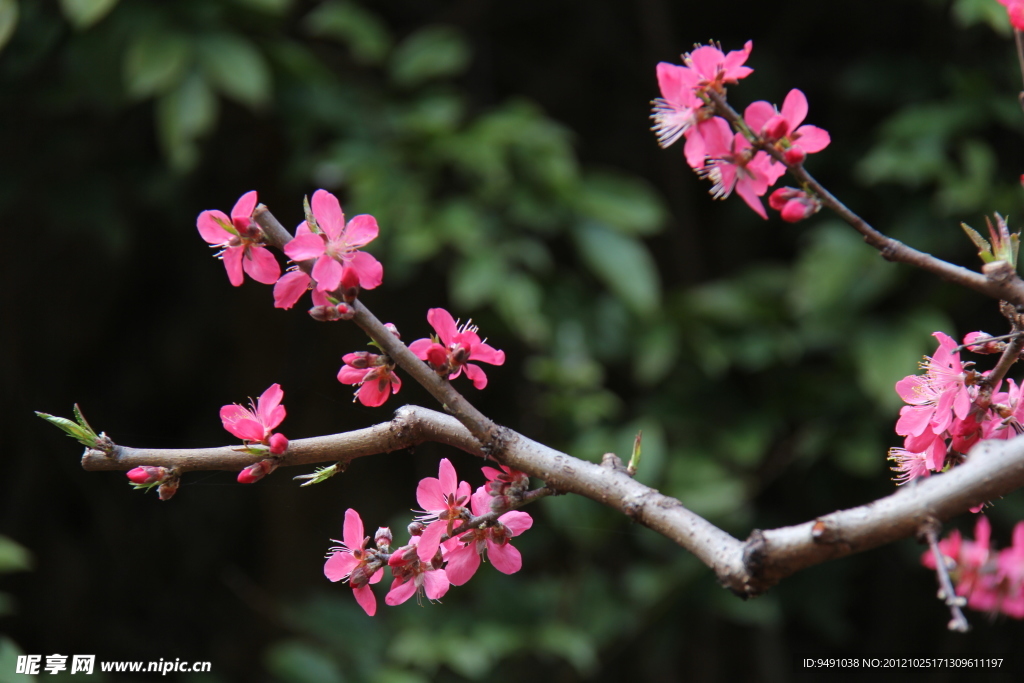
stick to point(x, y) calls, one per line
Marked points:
point(794, 156)
point(146, 474)
point(278, 444)
point(324, 314)
point(349, 284)
point(253, 473)
point(416, 528)
point(344, 311)
point(383, 538)
point(978, 342)
point(393, 330)
point(776, 128)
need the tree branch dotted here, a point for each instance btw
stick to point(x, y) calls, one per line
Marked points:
point(748, 568)
point(998, 282)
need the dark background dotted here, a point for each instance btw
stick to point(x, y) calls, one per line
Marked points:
point(504, 149)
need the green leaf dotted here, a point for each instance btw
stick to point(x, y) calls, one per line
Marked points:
point(622, 263)
point(236, 68)
point(365, 35)
point(8, 20)
point(431, 52)
point(183, 115)
point(625, 203)
point(85, 13)
point(14, 557)
point(154, 62)
point(76, 430)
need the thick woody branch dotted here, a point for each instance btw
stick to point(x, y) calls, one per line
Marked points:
point(998, 282)
point(748, 568)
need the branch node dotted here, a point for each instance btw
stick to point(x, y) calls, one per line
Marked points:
point(824, 532)
point(612, 462)
point(999, 272)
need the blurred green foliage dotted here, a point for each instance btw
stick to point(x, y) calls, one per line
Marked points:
point(757, 358)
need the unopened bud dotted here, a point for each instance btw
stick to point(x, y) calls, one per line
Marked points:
point(323, 314)
point(980, 342)
point(349, 284)
point(794, 156)
point(147, 475)
point(278, 444)
point(345, 312)
point(416, 528)
point(253, 473)
point(383, 538)
point(776, 128)
point(393, 330)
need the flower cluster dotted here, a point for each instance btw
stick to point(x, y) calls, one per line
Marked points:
point(327, 249)
point(947, 411)
point(448, 352)
point(447, 541)
point(734, 161)
point(990, 581)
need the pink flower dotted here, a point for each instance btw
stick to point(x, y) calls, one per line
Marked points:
point(465, 551)
point(413, 574)
point(944, 391)
point(352, 561)
point(736, 166)
point(677, 108)
point(257, 423)
point(240, 240)
point(1015, 11)
point(458, 345)
point(784, 127)
point(373, 373)
point(445, 503)
point(714, 70)
point(335, 245)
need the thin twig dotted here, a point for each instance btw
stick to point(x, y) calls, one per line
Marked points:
point(947, 593)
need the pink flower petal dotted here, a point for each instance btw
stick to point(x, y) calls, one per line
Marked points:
point(436, 584)
point(339, 565)
point(484, 353)
point(794, 108)
point(261, 265)
point(477, 375)
point(749, 194)
point(232, 258)
point(812, 139)
point(353, 530)
point(374, 392)
point(361, 230)
point(419, 348)
point(305, 247)
point(429, 494)
point(269, 408)
point(366, 599)
point(244, 207)
point(212, 231)
point(327, 211)
point(350, 375)
point(443, 323)
point(430, 540)
point(505, 558)
point(327, 273)
point(400, 592)
point(447, 476)
point(462, 564)
point(369, 269)
point(516, 521)
point(290, 288)
point(757, 114)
